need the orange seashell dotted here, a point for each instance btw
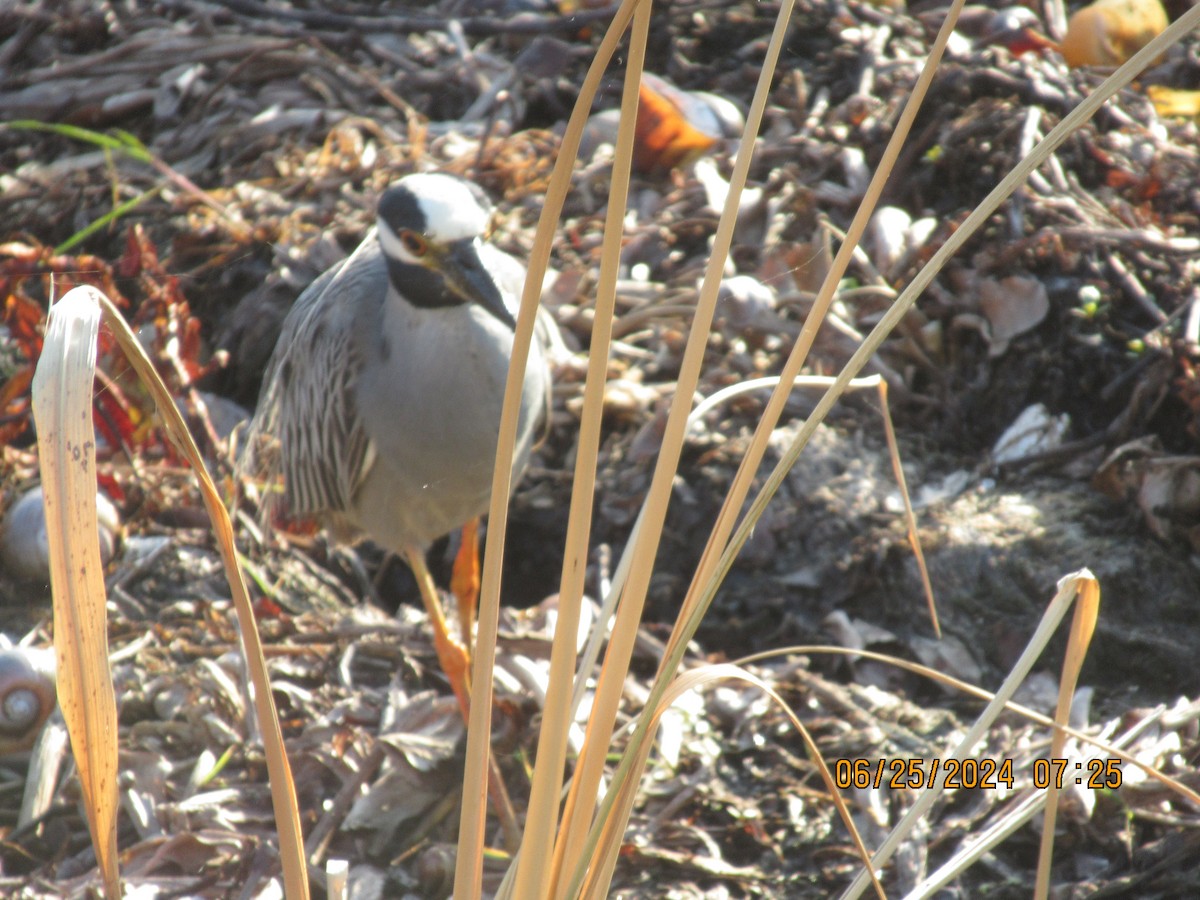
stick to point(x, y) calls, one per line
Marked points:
point(673, 127)
point(1109, 32)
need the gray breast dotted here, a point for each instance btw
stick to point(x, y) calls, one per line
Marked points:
point(429, 396)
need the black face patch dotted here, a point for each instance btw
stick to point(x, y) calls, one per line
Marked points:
point(401, 210)
point(285, 372)
point(421, 286)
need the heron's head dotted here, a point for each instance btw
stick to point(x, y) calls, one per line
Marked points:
point(437, 223)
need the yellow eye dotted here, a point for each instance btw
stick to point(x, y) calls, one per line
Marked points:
point(413, 243)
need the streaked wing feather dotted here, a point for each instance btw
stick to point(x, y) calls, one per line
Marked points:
point(307, 405)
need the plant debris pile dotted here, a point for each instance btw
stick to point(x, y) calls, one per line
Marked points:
point(203, 161)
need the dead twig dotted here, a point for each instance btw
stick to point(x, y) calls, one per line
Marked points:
point(479, 25)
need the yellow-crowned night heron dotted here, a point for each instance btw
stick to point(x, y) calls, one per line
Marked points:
point(380, 407)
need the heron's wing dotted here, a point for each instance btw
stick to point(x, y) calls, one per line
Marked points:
point(307, 427)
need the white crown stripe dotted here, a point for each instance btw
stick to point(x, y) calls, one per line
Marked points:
point(452, 212)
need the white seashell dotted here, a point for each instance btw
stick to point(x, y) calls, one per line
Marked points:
point(887, 236)
point(24, 547)
point(27, 695)
point(747, 303)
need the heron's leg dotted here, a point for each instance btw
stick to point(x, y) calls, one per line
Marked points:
point(451, 654)
point(455, 662)
point(464, 582)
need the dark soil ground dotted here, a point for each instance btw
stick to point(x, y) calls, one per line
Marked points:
point(245, 144)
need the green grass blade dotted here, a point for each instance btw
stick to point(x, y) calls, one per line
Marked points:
point(122, 141)
point(109, 217)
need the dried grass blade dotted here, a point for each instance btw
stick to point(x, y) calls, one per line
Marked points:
point(910, 517)
point(468, 876)
point(283, 790)
point(1069, 588)
point(601, 873)
point(1083, 626)
point(534, 877)
point(608, 692)
point(62, 405)
point(896, 312)
point(599, 635)
point(718, 556)
point(718, 553)
point(971, 690)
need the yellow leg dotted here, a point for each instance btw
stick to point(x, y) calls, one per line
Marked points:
point(464, 582)
point(451, 654)
point(456, 663)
